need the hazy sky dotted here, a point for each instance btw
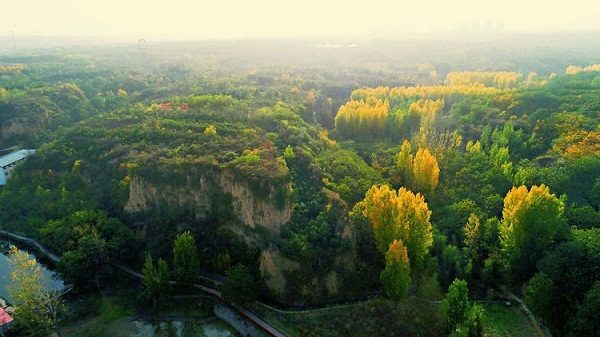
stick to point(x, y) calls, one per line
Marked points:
point(236, 18)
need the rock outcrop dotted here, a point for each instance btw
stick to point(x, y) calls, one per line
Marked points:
point(200, 191)
point(21, 126)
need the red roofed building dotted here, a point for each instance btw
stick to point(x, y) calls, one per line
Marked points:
point(5, 321)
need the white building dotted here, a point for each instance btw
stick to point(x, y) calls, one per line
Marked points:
point(9, 161)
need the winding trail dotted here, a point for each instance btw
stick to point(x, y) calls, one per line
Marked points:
point(542, 332)
point(32, 243)
point(254, 318)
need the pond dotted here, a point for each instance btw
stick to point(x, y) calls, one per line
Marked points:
point(52, 282)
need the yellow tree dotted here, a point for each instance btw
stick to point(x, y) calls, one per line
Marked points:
point(399, 216)
point(425, 172)
point(531, 219)
point(395, 277)
point(404, 164)
point(37, 309)
point(380, 206)
point(587, 145)
point(362, 117)
point(415, 226)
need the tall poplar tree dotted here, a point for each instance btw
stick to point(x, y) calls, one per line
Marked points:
point(396, 275)
point(186, 263)
point(531, 219)
point(402, 216)
point(425, 172)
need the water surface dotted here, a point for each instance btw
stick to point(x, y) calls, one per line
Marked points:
point(52, 282)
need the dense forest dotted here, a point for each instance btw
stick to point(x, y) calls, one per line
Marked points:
point(308, 173)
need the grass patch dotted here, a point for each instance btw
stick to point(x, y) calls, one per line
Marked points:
point(502, 320)
point(110, 310)
point(411, 317)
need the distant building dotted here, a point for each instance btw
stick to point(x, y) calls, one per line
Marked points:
point(9, 161)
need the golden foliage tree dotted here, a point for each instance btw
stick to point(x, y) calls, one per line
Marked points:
point(362, 117)
point(427, 110)
point(420, 172)
point(450, 94)
point(576, 69)
point(404, 162)
point(380, 93)
point(531, 219)
point(425, 172)
point(381, 208)
point(414, 219)
point(502, 79)
point(37, 309)
point(576, 138)
point(579, 144)
point(210, 130)
point(399, 216)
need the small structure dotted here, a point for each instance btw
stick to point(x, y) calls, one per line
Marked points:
point(9, 161)
point(5, 321)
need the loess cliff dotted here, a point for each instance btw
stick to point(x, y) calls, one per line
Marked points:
point(200, 190)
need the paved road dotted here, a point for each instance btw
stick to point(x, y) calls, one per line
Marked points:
point(32, 243)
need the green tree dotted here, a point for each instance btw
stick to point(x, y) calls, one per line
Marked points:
point(473, 326)
point(37, 310)
point(395, 277)
point(456, 305)
point(240, 286)
point(540, 296)
point(155, 284)
point(186, 263)
point(474, 237)
point(90, 240)
point(586, 322)
point(531, 219)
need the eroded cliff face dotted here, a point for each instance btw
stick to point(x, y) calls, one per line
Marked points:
point(284, 276)
point(21, 126)
point(288, 278)
point(200, 191)
point(276, 270)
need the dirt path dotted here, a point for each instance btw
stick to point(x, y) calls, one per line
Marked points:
point(542, 331)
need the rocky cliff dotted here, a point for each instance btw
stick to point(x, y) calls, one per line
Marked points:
point(200, 190)
point(21, 119)
point(287, 278)
point(21, 127)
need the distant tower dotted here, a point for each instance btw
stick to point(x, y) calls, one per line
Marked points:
point(142, 43)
